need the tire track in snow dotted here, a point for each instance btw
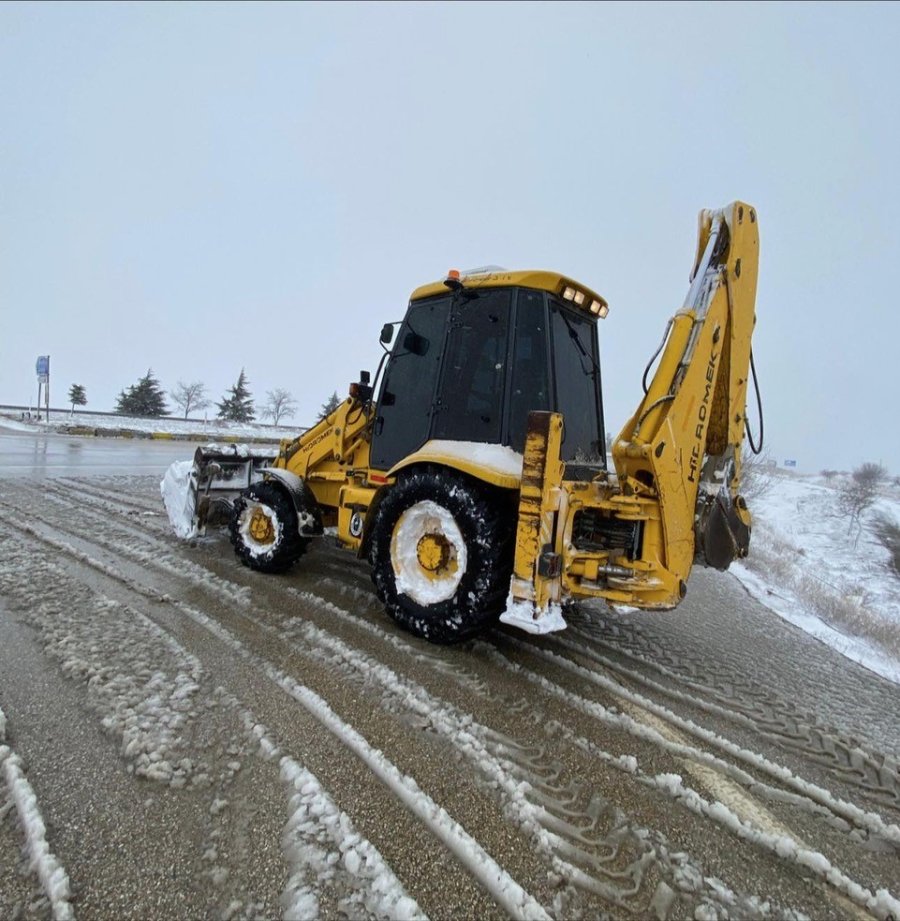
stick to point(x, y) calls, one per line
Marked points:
point(501, 886)
point(323, 849)
point(224, 588)
point(322, 844)
point(582, 878)
point(52, 875)
point(608, 895)
point(887, 774)
point(106, 490)
point(877, 775)
point(159, 557)
point(816, 800)
point(568, 847)
point(355, 590)
point(149, 520)
point(548, 803)
point(881, 903)
point(870, 821)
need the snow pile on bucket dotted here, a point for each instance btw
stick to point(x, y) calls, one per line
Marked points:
point(180, 498)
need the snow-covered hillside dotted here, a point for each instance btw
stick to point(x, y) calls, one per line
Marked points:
point(807, 565)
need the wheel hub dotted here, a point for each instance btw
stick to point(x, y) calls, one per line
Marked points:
point(261, 527)
point(428, 553)
point(433, 552)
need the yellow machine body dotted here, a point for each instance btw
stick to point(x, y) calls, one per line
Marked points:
point(630, 536)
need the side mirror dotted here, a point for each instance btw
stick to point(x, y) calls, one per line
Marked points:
point(387, 333)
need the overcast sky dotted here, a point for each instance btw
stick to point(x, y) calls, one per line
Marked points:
point(201, 188)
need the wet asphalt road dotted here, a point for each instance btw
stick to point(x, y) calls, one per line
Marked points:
point(712, 762)
point(38, 455)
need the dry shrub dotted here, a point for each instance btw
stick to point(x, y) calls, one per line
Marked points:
point(887, 532)
point(846, 610)
point(757, 473)
point(850, 616)
point(858, 493)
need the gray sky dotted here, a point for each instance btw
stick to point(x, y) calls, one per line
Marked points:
point(200, 188)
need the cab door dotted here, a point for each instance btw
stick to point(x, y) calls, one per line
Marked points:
point(471, 396)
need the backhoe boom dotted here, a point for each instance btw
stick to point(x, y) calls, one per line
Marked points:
point(676, 497)
point(689, 427)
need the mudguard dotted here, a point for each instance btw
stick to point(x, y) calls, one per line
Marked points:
point(309, 516)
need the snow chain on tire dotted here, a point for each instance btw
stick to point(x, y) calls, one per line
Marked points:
point(286, 546)
point(457, 535)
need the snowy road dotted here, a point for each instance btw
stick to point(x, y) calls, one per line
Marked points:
point(199, 740)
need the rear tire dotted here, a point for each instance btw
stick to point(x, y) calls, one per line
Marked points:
point(263, 529)
point(441, 554)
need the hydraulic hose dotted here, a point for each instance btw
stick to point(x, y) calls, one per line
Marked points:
point(756, 449)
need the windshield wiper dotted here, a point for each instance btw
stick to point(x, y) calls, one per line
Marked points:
point(594, 370)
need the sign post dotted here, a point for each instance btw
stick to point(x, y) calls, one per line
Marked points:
point(42, 367)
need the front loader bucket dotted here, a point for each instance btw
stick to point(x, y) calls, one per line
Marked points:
point(201, 492)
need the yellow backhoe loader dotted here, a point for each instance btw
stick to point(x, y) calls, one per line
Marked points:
point(475, 481)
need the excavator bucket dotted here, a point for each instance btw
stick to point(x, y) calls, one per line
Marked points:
point(200, 492)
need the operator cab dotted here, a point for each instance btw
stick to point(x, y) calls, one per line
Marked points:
point(475, 355)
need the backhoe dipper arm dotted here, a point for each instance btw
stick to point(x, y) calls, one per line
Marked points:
point(688, 429)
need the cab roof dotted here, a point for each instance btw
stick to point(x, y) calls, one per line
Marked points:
point(529, 278)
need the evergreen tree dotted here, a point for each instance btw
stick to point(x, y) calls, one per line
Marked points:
point(330, 405)
point(145, 398)
point(237, 405)
point(77, 396)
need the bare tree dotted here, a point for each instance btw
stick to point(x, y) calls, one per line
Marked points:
point(279, 404)
point(858, 493)
point(190, 396)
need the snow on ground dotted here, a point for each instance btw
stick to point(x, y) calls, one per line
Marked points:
point(807, 567)
point(116, 652)
point(53, 877)
point(212, 428)
point(321, 843)
point(16, 425)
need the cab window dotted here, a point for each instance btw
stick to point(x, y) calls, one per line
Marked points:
point(406, 404)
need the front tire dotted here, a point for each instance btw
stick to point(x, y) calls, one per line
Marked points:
point(264, 530)
point(441, 554)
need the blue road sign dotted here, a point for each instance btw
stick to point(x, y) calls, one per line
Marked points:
point(42, 366)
